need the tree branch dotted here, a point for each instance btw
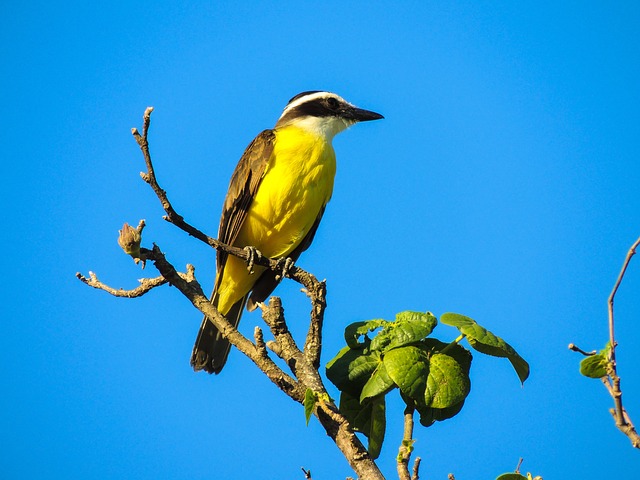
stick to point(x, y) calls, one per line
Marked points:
point(335, 424)
point(573, 347)
point(316, 291)
point(406, 447)
point(416, 468)
point(194, 293)
point(285, 346)
point(623, 422)
point(327, 413)
point(146, 285)
point(303, 365)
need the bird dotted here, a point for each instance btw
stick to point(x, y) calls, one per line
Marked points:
point(276, 198)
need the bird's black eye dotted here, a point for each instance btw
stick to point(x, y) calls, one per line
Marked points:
point(332, 103)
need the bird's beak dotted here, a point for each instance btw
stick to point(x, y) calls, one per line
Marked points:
point(360, 115)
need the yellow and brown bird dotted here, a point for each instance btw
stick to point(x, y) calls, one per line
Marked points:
point(276, 198)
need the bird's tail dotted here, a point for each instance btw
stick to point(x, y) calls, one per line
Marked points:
point(211, 349)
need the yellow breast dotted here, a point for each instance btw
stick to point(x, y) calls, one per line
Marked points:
point(297, 184)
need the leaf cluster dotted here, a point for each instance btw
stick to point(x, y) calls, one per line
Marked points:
point(432, 376)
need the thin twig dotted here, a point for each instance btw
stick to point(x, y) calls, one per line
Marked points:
point(630, 253)
point(623, 422)
point(150, 178)
point(573, 347)
point(146, 285)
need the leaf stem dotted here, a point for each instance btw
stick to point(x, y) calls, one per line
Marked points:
point(452, 344)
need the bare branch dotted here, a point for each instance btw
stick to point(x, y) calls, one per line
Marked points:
point(316, 291)
point(630, 253)
point(416, 468)
point(606, 381)
point(404, 452)
point(273, 316)
point(146, 285)
point(623, 422)
point(517, 470)
point(574, 348)
point(150, 178)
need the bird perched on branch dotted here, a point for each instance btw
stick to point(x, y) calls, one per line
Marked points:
point(276, 198)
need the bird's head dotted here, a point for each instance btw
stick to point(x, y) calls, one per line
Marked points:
point(323, 113)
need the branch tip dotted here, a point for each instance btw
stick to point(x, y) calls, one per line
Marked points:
point(574, 348)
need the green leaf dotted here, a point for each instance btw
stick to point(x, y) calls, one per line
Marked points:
point(367, 418)
point(409, 327)
point(447, 384)
point(351, 369)
point(429, 415)
point(378, 426)
point(457, 320)
point(595, 366)
point(408, 367)
point(359, 416)
point(511, 476)
point(380, 383)
point(310, 399)
point(519, 364)
point(486, 342)
point(358, 329)
point(457, 351)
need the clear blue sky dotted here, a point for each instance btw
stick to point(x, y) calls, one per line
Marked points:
point(503, 184)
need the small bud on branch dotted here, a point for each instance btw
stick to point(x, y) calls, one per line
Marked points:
point(130, 239)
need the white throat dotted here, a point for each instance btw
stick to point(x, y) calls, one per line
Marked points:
point(325, 127)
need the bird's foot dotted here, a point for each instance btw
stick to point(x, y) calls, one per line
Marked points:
point(284, 264)
point(254, 255)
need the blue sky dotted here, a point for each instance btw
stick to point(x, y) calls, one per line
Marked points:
point(502, 184)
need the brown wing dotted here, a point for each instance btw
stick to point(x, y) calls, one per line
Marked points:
point(211, 349)
point(242, 188)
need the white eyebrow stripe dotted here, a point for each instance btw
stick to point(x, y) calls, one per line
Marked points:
point(311, 97)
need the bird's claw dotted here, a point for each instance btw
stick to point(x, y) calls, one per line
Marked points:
point(285, 265)
point(254, 255)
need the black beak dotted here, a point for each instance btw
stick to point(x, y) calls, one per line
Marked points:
point(360, 115)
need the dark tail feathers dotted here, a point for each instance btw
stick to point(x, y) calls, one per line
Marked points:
point(211, 349)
